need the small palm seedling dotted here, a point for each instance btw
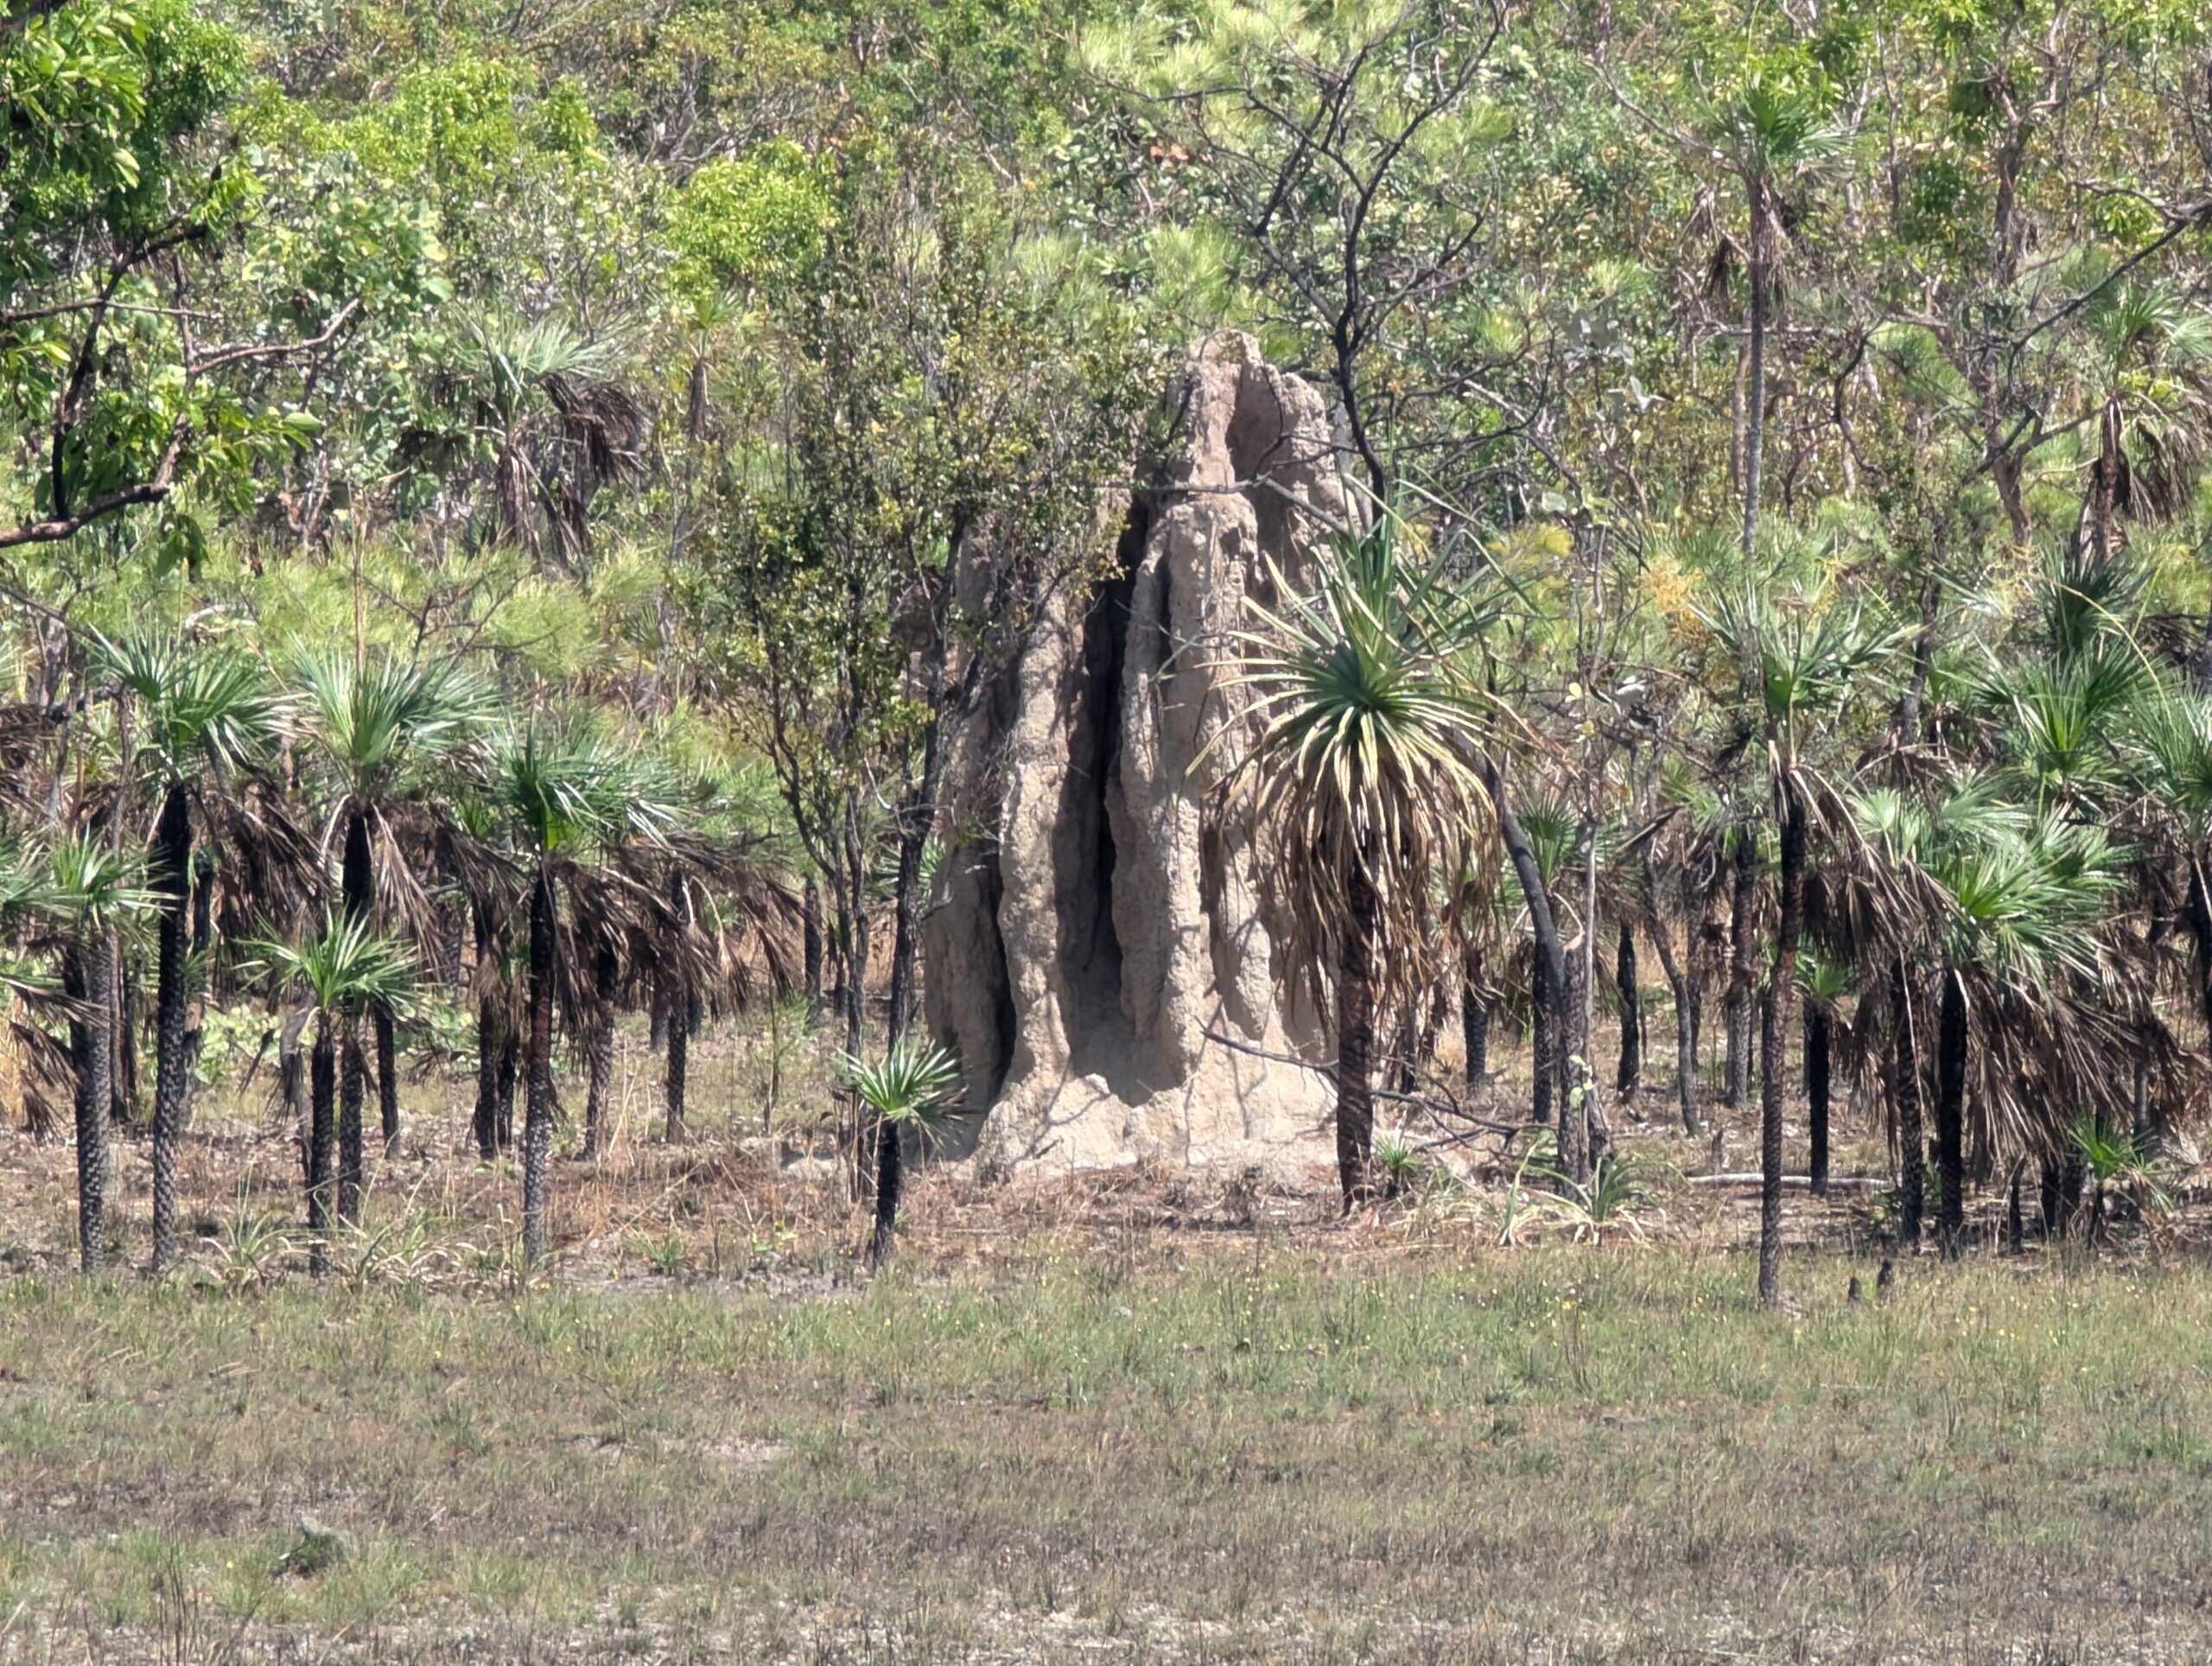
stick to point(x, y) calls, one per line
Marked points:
point(1613, 1199)
point(246, 1246)
point(913, 1087)
point(345, 971)
point(2117, 1164)
point(1401, 1167)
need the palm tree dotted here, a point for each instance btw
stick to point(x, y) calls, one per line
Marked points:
point(1367, 772)
point(346, 970)
point(569, 797)
point(913, 1087)
point(378, 721)
point(91, 892)
point(1807, 655)
point(203, 718)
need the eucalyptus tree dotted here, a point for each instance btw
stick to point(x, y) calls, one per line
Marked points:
point(567, 798)
point(343, 971)
point(1367, 771)
point(382, 724)
point(203, 718)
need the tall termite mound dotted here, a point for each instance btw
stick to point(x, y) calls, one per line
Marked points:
point(1101, 948)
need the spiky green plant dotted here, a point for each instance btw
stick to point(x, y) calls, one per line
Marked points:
point(912, 1086)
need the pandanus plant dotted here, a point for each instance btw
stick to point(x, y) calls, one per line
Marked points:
point(913, 1087)
point(567, 799)
point(1367, 773)
point(204, 718)
point(381, 724)
point(344, 971)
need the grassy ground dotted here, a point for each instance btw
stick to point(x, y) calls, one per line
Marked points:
point(1147, 1416)
point(1258, 1451)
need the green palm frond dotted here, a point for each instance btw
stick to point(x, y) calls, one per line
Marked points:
point(198, 707)
point(91, 886)
point(564, 790)
point(345, 967)
point(374, 717)
point(915, 1083)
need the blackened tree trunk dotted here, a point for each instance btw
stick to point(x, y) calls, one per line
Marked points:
point(172, 884)
point(493, 1041)
point(599, 1047)
point(322, 1095)
point(1475, 1000)
point(387, 1041)
point(1629, 1077)
point(1576, 1084)
point(87, 978)
point(357, 884)
point(917, 817)
point(1819, 1035)
point(353, 1079)
point(679, 1065)
point(1356, 1041)
point(1740, 956)
point(1904, 1091)
point(1775, 1025)
point(1950, 1110)
point(890, 1173)
point(537, 1066)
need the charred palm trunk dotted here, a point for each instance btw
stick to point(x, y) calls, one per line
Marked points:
point(1775, 1025)
point(890, 1176)
point(493, 1025)
point(322, 1095)
point(600, 1048)
point(810, 917)
point(1819, 1035)
point(1904, 1091)
point(353, 1080)
point(172, 884)
point(357, 885)
point(1739, 1014)
point(537, 1064)
point(1475, 999)
point(387, 1043)
point(1356, 1040)
point(1629, 1077)
point(87, 978)
point(1571, 1048)
point(1950, 1109)
point(677, 1086)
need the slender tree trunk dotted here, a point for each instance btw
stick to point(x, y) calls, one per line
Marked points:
point(387, 1044)
point(1474, 1017)
point(1679, 981)
point(1780, 994)
point(890, 1170)
point(811, 915)
point(599, 1047)
point(322, 1072)
point(677, 1081)
point(917, 816)
point(1818, 1036)
point(1754, 399)
point(1356, 1041)
point(172, 884)
point(1741, 953)
point(1904, 1087)
point(1551, 959)
point(123, 1094)
point(537, 1105)
point(1570, 1044)
point(1628, 1079)
point(1950, 1110)
point(1543, 1042)
point(353, 1080)
point(87, 978)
